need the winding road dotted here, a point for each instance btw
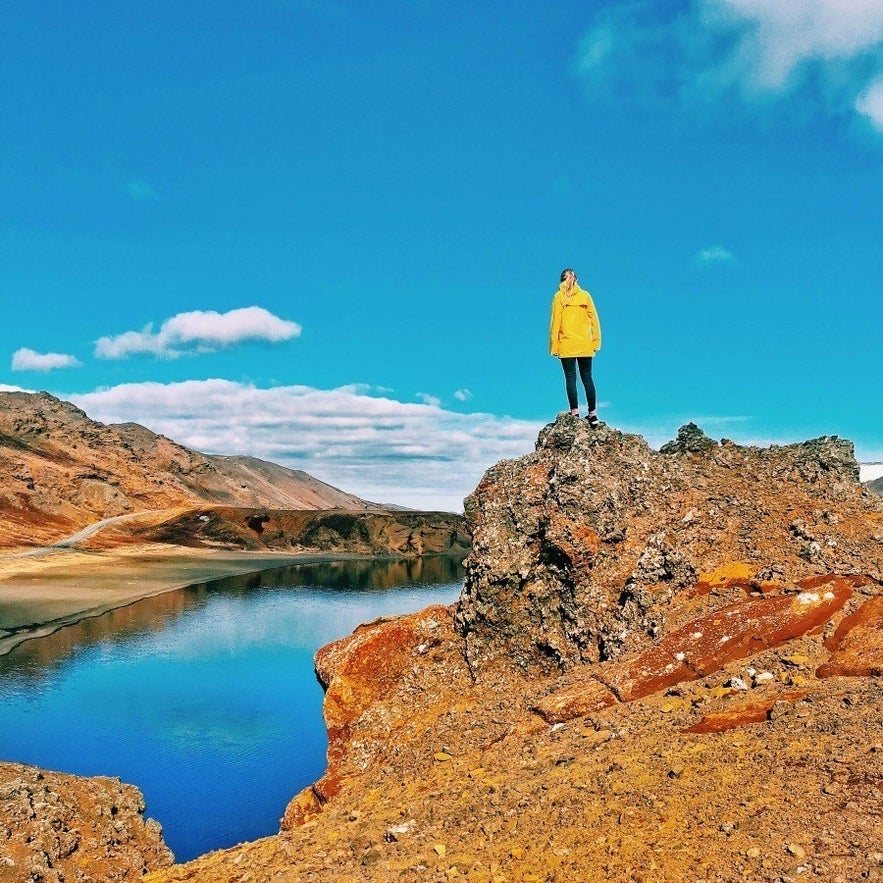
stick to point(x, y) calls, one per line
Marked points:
point(73, 539)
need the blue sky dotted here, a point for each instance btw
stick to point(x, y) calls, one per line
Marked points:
point(328, 234)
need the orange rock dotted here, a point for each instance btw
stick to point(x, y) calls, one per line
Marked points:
point(655, 669)
point(301, 809)
point(733, 574)
point(743, 713)
point(857, 645)
point(708, 643)
point(856, 580)
point(576, 701)
point(702, 647)
point(358, 671)
point(770, 587)
point(365, 666)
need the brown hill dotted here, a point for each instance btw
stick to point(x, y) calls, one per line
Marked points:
point(663, 667)
point(60, 470)
point(876, 485)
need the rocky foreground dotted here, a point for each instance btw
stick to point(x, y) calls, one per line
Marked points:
point(56, 828)
point(663, 667)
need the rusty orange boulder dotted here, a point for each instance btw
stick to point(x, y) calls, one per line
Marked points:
point(701, 647)
point(857, 645)
point(358, 671)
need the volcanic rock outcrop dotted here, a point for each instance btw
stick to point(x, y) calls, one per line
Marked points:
point(664, 666)
point(595, 545)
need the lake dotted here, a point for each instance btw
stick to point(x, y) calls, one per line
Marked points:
point(205, 698)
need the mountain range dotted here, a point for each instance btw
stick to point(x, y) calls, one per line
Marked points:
point(61, 470)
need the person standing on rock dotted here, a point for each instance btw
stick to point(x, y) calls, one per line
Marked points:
point(575, 337)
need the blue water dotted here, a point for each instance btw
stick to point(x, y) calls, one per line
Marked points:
point(204, 698)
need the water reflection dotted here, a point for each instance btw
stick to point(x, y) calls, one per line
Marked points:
point(35, 660)
point(204, 698)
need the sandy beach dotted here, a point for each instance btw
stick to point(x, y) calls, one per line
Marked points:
point(40, 595)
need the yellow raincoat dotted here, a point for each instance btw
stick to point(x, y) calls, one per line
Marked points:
point(575, 329)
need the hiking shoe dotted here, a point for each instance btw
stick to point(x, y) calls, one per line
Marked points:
point(594, 422)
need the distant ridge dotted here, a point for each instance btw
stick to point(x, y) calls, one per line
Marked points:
point(61, 470)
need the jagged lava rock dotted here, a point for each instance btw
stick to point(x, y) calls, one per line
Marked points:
point(594, 545)
point(56, 827)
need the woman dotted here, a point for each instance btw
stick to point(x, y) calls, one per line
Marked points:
point(574, 337)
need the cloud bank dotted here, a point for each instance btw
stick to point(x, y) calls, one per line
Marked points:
point(870, 103)
point(417, 455)
point(198, 332)
point(29, 360)
point(756, 49)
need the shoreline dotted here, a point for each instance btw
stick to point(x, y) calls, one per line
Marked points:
point(42, 595)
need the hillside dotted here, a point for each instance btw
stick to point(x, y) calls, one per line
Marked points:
point(397, 532)
point(60, 470)
point(876, 485)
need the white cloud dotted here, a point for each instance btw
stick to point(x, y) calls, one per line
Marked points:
point(777, 37)
point(870, 103)
point(384, 450)
point(753, 48)
point(716, 254)
point(140, 191)
point(462, 395)
point(427, 399)
point(198, 332)
point(29, 360)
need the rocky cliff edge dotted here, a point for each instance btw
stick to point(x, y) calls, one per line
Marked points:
point(663, 666)
point(595, 546)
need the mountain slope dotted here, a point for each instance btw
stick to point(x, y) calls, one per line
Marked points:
point(60, 470)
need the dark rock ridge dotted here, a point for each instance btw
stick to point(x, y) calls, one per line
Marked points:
point(591, 547)
point(876, 485)
point(398, 533)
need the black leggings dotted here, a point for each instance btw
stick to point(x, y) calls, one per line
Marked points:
point(585, 374)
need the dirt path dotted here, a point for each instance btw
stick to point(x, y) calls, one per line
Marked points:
point(79, 536)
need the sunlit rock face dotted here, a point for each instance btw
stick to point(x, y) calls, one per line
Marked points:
point(594, 546)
